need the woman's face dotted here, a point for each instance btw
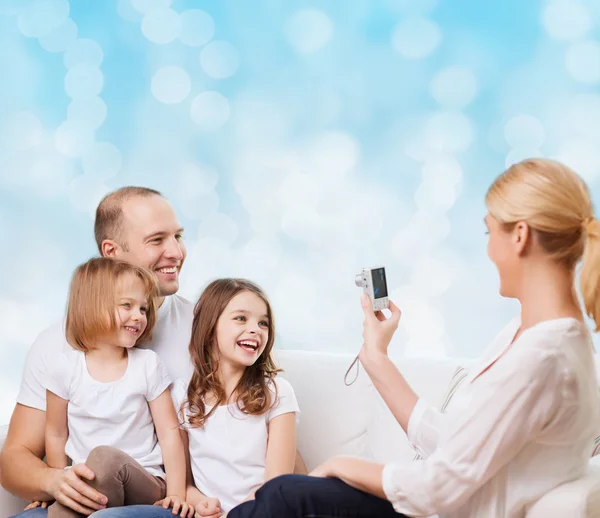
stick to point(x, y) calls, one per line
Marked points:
point(504, 251)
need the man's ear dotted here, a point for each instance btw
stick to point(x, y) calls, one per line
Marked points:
point(109, 248)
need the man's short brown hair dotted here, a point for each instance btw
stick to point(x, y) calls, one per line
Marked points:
point(93, 300)
point(109, 214)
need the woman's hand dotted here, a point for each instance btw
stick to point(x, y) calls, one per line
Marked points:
point(325, 470)
point(377, 329)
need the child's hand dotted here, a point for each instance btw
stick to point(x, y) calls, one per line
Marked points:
point(37, 503)
point(180, 508)
point(209, 508)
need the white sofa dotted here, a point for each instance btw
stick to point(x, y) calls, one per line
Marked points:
point(336, 419)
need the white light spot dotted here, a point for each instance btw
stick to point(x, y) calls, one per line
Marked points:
point(103, 160)
point(83, 81)
point(197, 28)
point(171, 85)
point(292, 321)
point(333, 154)
point(219, 226)
point(454, 87)
point(519, 154)
point(126, 11)
point(200, 206)
point(444, 167)
point(261, 254)
point(424, 325)
point(22, 130)
point(449, 132)
point(161, 26)
point(422, 233)
point(301, 222)
point(91, 111)
point(83, 51)
point(583, 116)
point(524, 131)
point(298, 189)
point(436, 195)
point(51, 174)
point(583, 156)
point(86, 192)
point(219, 59)
point(416, 38)
point(566, 19)
point(60, 38)
point(145, 6)
point(210, 110)
point(432, 277)
point(40, 17)
point(308, 30)
point(73, 138)
point(196, 179)
point(583, 62)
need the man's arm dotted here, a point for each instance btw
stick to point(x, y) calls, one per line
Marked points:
point(27, 476)
point(23, 471)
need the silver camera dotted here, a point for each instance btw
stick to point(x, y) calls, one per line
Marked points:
point(374, 284)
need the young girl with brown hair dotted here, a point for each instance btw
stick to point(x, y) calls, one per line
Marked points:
point(239, 417)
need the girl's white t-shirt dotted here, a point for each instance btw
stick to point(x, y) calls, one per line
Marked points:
point(228, 455)
point(111, 414)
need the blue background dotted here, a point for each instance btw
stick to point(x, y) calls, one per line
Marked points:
point(297, 141)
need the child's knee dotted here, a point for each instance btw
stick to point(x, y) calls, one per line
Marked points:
point(106, 460)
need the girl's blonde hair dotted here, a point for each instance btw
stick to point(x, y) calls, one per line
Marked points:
point(252, 393)
point(93, 300)
point(556, 205)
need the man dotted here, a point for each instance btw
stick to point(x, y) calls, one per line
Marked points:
point(138, 225)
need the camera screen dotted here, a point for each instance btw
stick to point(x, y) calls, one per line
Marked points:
point(379, 284)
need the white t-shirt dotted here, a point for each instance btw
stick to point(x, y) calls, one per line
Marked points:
point(114, 413)
point(170, 341)
point(228, 455)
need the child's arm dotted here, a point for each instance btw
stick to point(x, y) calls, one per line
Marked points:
point(57, 430)
point(167, 431)
point(193, 496)
point(281, 446)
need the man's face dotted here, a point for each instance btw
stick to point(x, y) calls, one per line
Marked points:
point(153, 239)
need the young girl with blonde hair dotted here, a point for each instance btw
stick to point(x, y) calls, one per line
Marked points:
point(523, 421)
point(108, 402)
point(239, 417)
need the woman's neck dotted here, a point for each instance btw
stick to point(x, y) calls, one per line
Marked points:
point(547, 292)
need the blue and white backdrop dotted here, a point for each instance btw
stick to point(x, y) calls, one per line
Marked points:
point(298, 141)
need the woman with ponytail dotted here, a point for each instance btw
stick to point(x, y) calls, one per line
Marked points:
point(524, 419)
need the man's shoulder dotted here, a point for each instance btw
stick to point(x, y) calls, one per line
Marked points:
point(181, 302)
point(51, 340)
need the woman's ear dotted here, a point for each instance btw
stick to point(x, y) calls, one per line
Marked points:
point(522, 237)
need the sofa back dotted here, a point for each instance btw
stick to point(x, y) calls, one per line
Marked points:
point(336, 419)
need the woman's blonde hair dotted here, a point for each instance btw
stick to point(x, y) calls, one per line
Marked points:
point(93, 300)
point(252, 393)
point(556, 205)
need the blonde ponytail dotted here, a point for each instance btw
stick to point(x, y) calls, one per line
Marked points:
point(590, 272)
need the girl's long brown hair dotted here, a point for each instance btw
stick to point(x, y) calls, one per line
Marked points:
point(252, 392)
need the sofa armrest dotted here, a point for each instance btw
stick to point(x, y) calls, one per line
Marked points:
point(9, 504)
point(577, 499)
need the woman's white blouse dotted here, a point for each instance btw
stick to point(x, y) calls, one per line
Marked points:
point(522, 423)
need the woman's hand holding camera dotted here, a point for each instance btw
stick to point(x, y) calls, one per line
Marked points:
point(377, 330)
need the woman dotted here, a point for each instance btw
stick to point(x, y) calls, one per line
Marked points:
point(523, 421)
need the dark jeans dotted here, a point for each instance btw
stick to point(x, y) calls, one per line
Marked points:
point(301, 496)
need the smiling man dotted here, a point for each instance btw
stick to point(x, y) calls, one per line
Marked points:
point(137, 225)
